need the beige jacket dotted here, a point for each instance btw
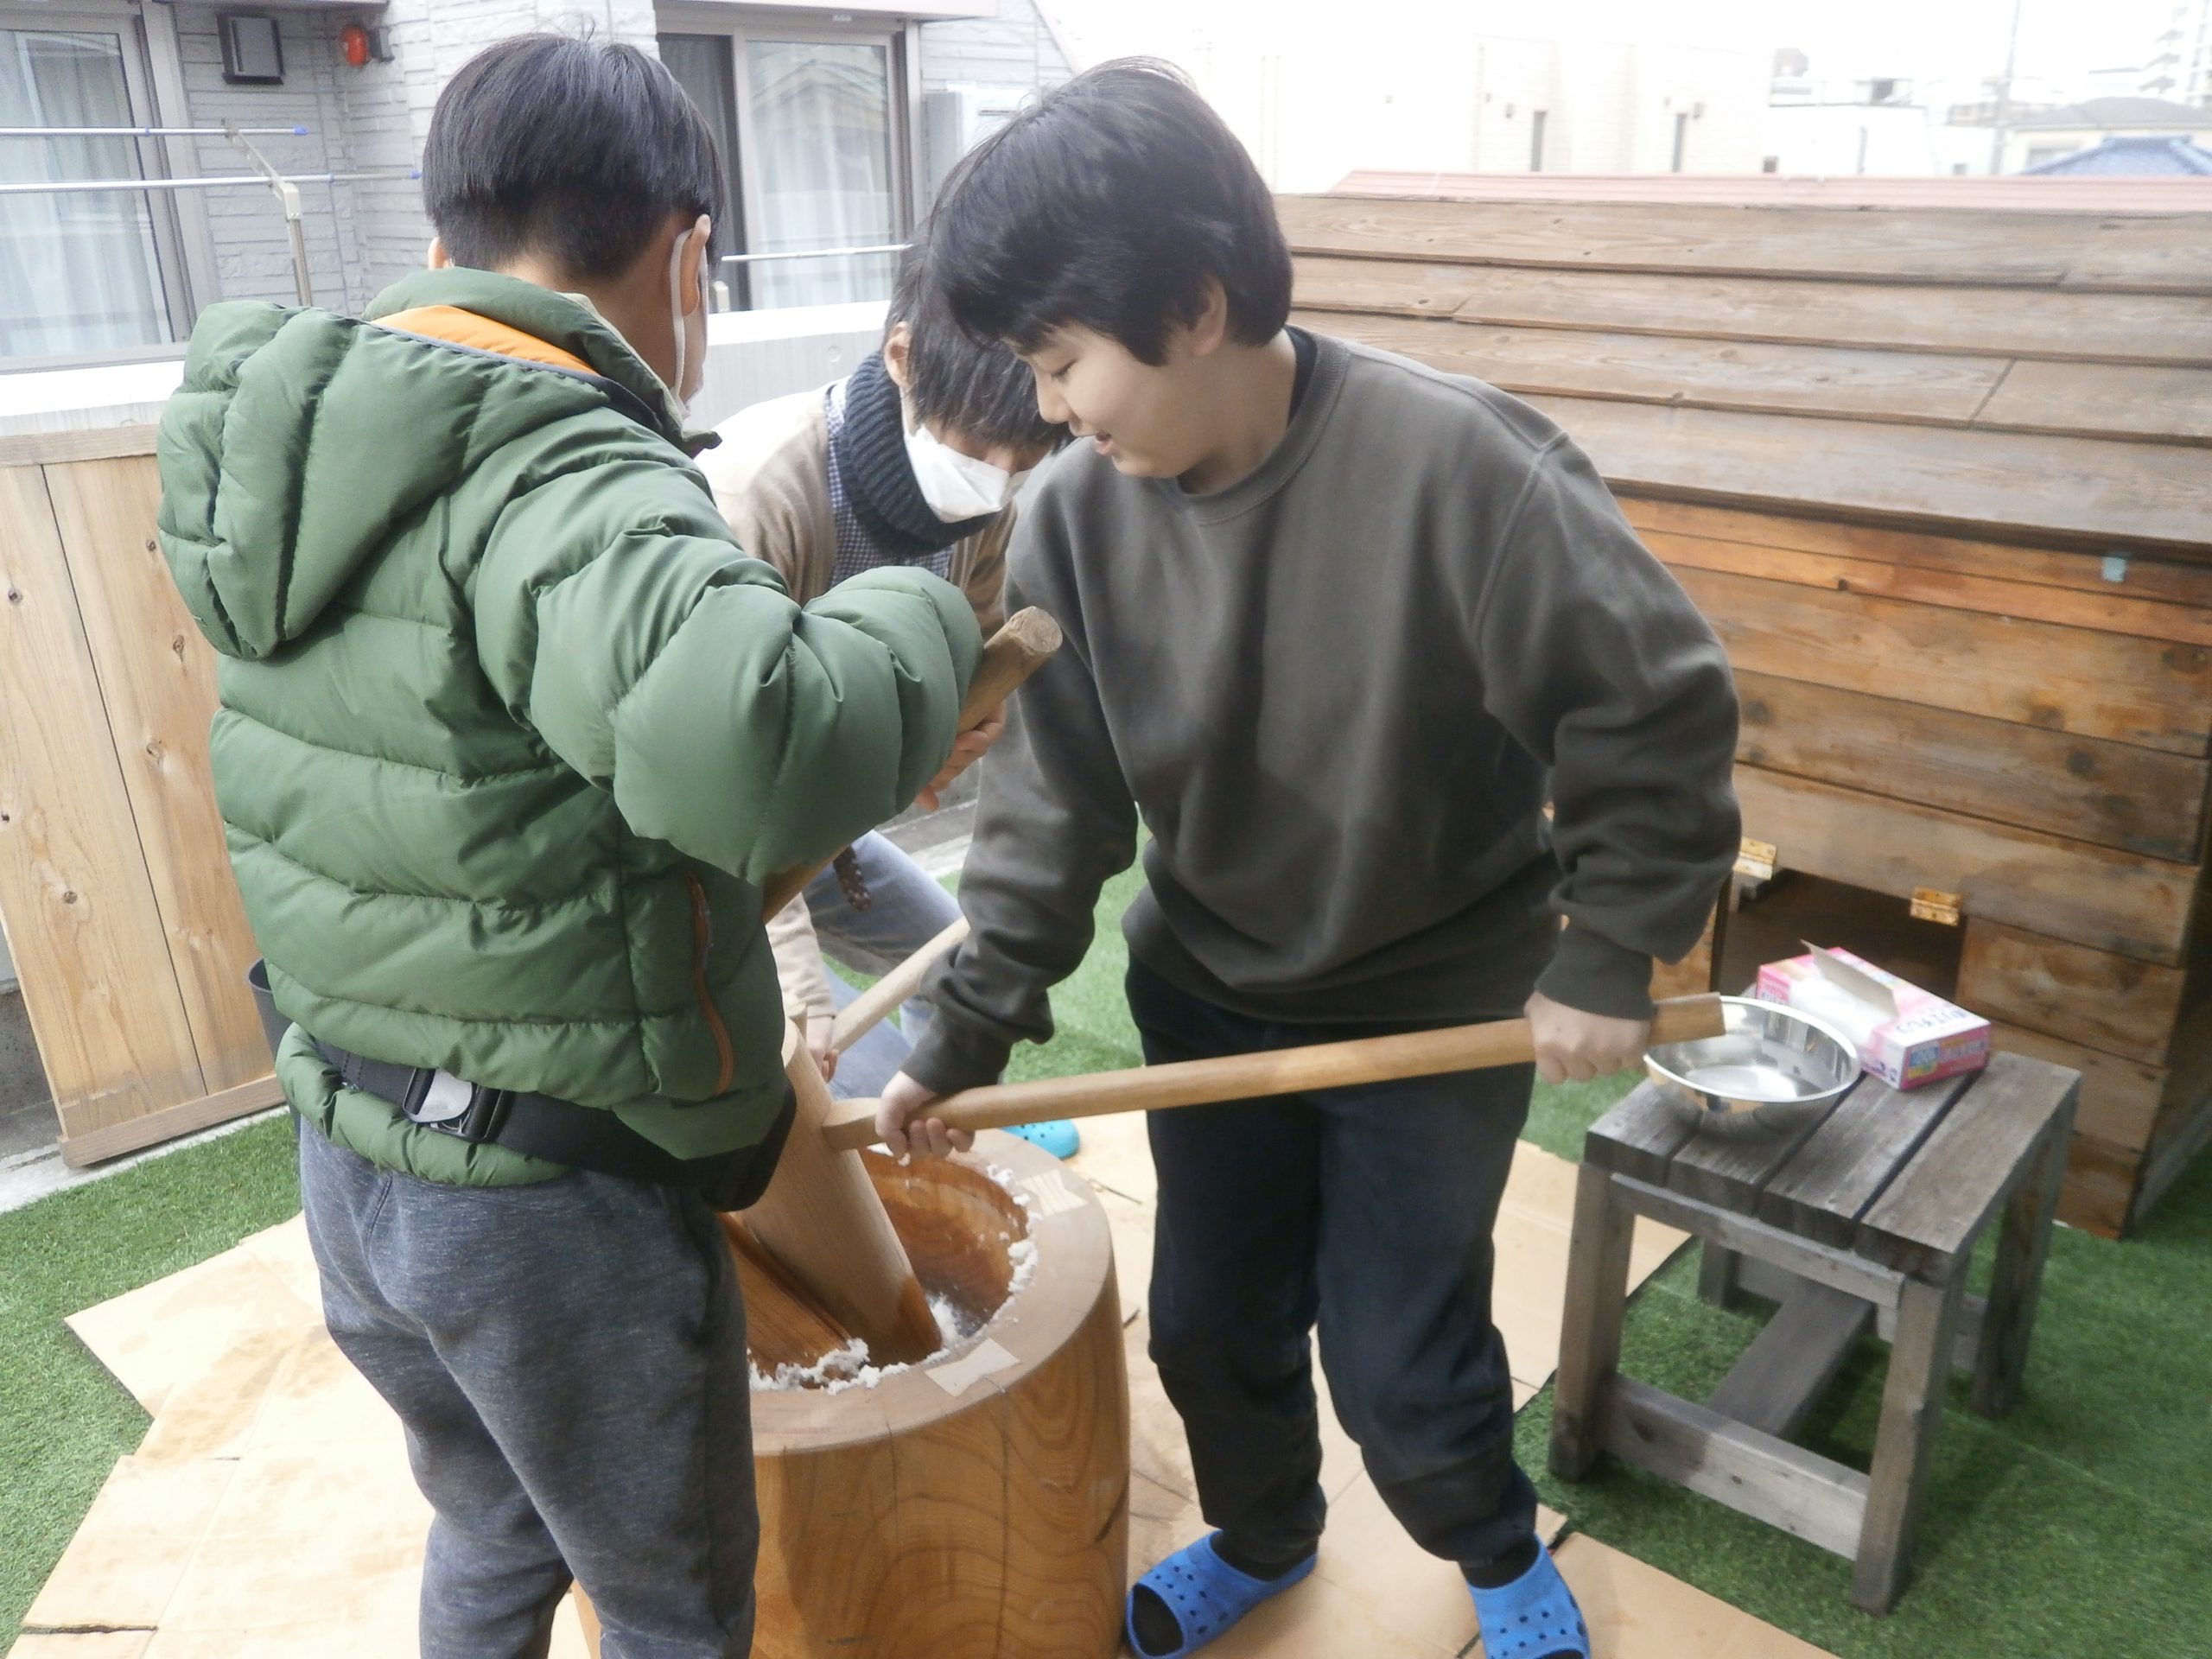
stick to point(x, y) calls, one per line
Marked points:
point(771, 479)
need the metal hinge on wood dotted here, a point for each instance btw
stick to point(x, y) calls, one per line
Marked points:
point(1930, 905)
point(1754, 860)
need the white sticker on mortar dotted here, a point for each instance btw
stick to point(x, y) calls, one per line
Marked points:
point(971, 1368)
point(1053, 1195)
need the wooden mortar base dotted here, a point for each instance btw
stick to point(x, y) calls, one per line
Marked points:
point(903, 1522)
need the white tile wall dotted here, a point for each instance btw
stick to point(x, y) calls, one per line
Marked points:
point(363, 236)
point(1014, 48)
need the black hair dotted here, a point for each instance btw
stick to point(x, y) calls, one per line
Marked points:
point(969, 386)
point(1111, 203)
point(575, 151)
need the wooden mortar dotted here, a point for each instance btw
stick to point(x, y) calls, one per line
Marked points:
point(906, 1520)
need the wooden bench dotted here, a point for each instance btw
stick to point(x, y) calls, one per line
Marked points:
point(1866, 1218)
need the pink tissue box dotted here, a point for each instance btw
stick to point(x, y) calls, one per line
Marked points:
point(1905, 1036)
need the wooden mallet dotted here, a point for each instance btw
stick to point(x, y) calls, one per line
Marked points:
point(821, 1220)
point(1245, 1077)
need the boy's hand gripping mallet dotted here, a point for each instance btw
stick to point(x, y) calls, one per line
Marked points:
point(1015, 651)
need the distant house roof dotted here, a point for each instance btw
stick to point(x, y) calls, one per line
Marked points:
point(2113, 112)
point(2010, 193)
point(2130, 158)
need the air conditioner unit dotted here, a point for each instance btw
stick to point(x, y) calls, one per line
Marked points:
point(956, 119)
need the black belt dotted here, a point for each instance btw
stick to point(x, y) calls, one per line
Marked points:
point(559, 1131)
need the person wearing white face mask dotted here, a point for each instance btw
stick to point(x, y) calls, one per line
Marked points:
point(913, 458)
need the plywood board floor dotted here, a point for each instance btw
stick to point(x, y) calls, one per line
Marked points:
point(270, 1510)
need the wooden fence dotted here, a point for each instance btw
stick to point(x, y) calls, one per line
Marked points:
point(121, 914)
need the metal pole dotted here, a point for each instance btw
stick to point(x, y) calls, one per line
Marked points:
point(288, 196)
point(2004, 93)
point(218, 181)
point(148, 132)
point(812, 253)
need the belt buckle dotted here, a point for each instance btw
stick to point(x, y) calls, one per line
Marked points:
point(450, 1105)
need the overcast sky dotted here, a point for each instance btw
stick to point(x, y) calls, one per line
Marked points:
point(1960, 40)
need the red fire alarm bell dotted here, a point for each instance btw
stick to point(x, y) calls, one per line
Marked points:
point(362, 44)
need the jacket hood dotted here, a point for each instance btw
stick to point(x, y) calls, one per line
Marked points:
point(301, 441)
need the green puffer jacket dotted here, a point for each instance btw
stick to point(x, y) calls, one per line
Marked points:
point(511, 731)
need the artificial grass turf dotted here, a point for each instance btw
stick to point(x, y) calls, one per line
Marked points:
point(64, 1419)
point(2080, 1528)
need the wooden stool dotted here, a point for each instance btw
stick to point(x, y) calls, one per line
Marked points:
point(1868, 1217)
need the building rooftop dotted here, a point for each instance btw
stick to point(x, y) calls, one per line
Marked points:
point(2014, 193)
point(2130, 158)
point(2115, 112)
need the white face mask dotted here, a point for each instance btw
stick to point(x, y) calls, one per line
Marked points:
point(957, 486)
point(690, 331)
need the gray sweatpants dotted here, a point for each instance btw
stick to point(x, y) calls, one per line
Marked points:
point(568, 1360)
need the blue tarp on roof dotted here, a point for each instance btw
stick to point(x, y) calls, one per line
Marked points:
point(2130, 158)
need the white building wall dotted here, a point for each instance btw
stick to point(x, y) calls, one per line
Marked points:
point(2197, 86)
point(1012, 48)
point(252, 251)
point(1840, 140)
point(1467, 101)
point(361, 237)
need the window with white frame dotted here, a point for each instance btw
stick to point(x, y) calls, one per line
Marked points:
point(813, 123)
point(93, 271)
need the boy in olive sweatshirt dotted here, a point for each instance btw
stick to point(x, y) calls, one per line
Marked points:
point(1337, 627)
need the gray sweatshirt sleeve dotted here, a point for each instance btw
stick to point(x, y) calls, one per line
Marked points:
point(1054, 822)
point(1597, 662)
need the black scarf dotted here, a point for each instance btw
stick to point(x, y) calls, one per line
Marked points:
point(879, 481)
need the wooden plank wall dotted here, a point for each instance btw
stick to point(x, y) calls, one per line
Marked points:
point(115, 885)
point(1942, 482)
point(2044, 373)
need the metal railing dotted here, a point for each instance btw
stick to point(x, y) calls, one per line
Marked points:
point(811, 253)
point(148, 132)
point(744, 263)
point(284, 186)
point(217, 181)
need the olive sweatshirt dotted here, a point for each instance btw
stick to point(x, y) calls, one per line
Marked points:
point(1340, 694)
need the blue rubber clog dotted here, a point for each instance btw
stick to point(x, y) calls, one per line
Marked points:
point(1205, 1594)
point(1058, 1137)
point(1533, 1615)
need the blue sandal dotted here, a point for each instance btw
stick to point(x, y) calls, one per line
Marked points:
point(1205, 1594)
point(1532, 1615)
point(1058, 1137)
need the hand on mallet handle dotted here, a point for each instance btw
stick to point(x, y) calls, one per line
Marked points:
point(910, 1119)
point(967, 749)
point(1575, 1047)
point(821, 1043)
point(903, 1122)
point(1015, 652)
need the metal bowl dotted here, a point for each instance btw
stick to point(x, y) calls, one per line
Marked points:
point(1772, 1070)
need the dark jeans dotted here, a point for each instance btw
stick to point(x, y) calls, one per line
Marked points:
point(1371, 1210)
point(568, 1360)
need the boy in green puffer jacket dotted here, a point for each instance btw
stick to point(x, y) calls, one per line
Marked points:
point(512, 733)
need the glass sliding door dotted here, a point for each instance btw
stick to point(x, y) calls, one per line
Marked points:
point(824, 164)
point(81, 272)
point(812, 129)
